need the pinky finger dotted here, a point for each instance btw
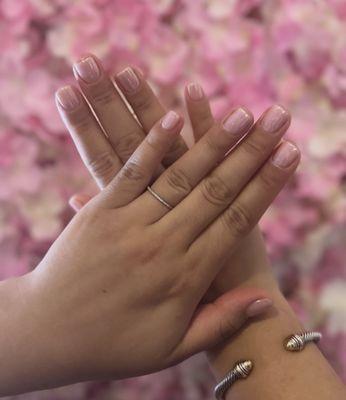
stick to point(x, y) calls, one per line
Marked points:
point(216, 322)
point(199, 111)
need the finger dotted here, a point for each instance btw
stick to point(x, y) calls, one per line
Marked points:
point(199, 111)
point(138, 171)
point(146, 106)
point(123, 131)
point(91, 143)
point(216, 322)
point(78, 201)
point(217, 191)
point(246, 210)
point(180, 178)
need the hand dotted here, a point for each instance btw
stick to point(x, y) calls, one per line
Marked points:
point(118, 276)
point(248, 264)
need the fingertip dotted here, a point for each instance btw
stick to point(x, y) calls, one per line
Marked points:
point(76, 202)
point(88, 69)
point(194, 92)
point(68, 98)
point(258, 307)
point(171, 122)
point(286, 155)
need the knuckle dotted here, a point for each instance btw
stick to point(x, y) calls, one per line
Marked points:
point(103, 93)
point(127, 144)
point(226, 328)
point(178, 180)
point(254, 146)
point(237, 219)
point(142, 103)
point(177, 149)
point(216, 191)
point(81, 121)
point(133, 172)
point(270, 178)
point(214, 145)
point(102, 166)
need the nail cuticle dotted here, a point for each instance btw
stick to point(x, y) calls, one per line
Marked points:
point(67, 98)
point(274, 119)
point(238, 123)
point(87, 70)
point(285, 155)
point(128, 80)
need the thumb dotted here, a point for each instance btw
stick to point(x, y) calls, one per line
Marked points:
point(78, 201)
point(216, 322)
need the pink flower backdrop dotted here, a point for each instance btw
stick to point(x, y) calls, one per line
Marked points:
point(248, 52)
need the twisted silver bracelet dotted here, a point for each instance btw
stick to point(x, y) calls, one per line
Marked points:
point(241, 370)
point(298, 341)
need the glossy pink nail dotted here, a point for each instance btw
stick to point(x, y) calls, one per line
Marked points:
point(87, 69)
point(195, 91)
point(285, 155)
point(274, 119)
point(128, 80)
point(68, 98)
point(170, 120)
point(238, 123)
point(258, 307)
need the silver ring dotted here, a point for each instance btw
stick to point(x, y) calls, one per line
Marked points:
point(159, 198)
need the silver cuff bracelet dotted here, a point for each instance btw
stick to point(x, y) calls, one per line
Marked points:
point(241, 370)
point(298, 341)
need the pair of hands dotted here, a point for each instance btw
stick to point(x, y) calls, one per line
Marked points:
point(124, 289)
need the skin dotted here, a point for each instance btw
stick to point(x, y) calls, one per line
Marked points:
point(101, 155)
point(247, 266)
point(117, 276)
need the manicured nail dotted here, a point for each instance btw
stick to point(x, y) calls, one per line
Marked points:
point(285, 155)
point(170, 120)
point(75, 203)
point(128, 80)
point(195, 91)
point(68, 98)
point(258, 307)
point(274, 119)
point(87, 69)
point(239, 122)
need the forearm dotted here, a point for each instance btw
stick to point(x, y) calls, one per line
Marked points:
point(277, 374)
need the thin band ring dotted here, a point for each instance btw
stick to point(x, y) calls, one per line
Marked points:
point(159, 198)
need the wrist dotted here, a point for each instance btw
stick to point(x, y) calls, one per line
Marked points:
point(257, 337)
point(249, 266)
point(19, 338)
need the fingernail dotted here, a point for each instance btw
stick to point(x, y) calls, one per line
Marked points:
point(75, 203)
point(68, 98)
point(285, 155)
point(170, 120)
point(195, 91)
point(239, 122)
point(258, 307)
point(87, 69)
point(274, 119)
point(128, 80)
